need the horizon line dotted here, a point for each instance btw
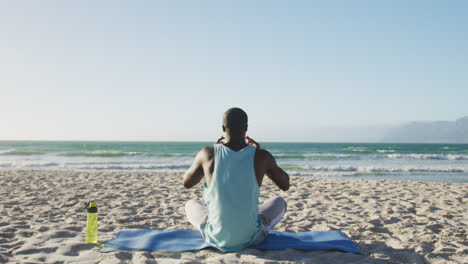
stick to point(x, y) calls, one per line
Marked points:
point(200, 141)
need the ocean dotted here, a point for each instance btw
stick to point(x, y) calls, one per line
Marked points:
point(419, 162)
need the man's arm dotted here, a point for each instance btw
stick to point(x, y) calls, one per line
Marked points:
point(275, 173)
point(195, 173)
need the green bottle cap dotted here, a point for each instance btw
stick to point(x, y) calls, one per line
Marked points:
point(91, 207)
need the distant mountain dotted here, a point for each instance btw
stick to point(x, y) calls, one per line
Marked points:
point(430, 132)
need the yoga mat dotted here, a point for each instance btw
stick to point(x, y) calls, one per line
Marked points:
point(180, 240)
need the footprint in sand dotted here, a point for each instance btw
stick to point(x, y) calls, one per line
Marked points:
point(47, 250)
point(62, 234)
point(74, 250)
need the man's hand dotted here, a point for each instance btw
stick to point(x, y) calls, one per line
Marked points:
point(252, 142)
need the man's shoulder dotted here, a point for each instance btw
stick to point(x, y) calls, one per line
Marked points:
point(263, 154)
point(206, 152)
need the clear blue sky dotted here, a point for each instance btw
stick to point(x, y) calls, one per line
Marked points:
point(167, 70)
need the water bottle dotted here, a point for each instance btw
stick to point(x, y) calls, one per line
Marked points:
point(91, 225)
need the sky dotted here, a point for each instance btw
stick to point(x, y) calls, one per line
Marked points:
point(167, 70)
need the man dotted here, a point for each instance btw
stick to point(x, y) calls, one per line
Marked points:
point(233, 170)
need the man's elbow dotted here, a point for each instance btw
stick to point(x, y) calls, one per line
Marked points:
point(286, 185)
point(187, 184)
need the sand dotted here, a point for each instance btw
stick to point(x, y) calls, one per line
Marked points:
point(43, 218)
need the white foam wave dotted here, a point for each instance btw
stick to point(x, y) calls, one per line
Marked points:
point(27, 164)
point(428, 156)
point(357, 149)
point(385, 150)
point(177, 165)
point(133, 167)
point(6, 151)
point(313, 155)
point(375, 169)
point(338, 172)
point(6, 164)
point(38, 164)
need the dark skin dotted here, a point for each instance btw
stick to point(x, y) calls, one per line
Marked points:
point(264, 162)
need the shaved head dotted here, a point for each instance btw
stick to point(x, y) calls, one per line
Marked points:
point(235, 121)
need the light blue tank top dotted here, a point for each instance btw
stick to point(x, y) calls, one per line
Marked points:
point(232, 198)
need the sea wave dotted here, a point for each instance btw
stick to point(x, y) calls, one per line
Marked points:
point(163, 155)
point(428, 156)
point(385, 150)
point(109, 154)
point(91, 166)
point(292, 167)
point(112, 154)
point(28, 164)
point(21, 152)
point(375, 169)
point(171, 167)
point(312, 156)
point(321, 174)
point(6, 164)
point(3, 151)
point(358, 149)
point(350, 171)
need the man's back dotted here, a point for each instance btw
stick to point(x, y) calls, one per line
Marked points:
point(264, 163)
point(232, 200)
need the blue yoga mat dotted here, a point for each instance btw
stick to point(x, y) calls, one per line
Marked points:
point(179, 240)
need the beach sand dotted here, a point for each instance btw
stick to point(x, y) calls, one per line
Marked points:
point(43, 218)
